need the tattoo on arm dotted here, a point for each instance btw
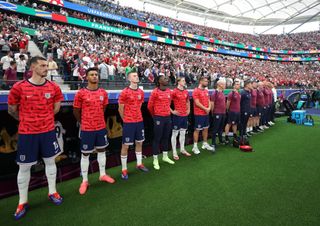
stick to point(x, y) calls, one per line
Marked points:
point(13, 111)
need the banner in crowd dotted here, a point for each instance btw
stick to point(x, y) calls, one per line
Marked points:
point(134, 34)
point(98, 13)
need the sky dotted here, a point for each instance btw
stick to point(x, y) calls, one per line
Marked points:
point(312, 26)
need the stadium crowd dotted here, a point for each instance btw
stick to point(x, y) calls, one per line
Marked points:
point(298, 41)
point(304, 41)
point(75, 49)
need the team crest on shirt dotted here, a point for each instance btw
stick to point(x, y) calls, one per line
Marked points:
point(22, 158)
point(158, 122)
point(139, 97)
point(101, 98)
point(169, 96)
point(85, 147)
point(47, 95)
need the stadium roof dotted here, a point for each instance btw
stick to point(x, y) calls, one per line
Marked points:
point(248, 12)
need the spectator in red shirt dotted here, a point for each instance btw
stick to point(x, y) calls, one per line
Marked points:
point(10, 75)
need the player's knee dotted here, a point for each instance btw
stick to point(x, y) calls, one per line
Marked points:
point(49, 161)
point(101, 150)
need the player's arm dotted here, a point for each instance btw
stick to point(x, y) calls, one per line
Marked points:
point(151, 104)
point(77, 104)
point(198, 104)
point(13, 110)
point(188, 106)
point(121, 101)
point(56, 107)
point(77, 114)
point(228, 104)
point(211, 106)
point(121, 110)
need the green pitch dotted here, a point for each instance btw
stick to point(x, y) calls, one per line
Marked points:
point(278, 184)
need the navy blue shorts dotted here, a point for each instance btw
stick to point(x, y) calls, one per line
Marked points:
point(91, 140)
point(179, 122)
point(259, 111)
point(253, 112)
point(233, 118)
point(133, 131)
point(201, 122)
point(33, 146)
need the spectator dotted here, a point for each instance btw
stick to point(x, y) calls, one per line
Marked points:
point(21, 66)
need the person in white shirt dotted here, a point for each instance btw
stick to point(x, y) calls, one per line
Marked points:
point(21, 66)
point(52, 68)
point(21, 52)
point(112, 70)
point(104, 72)
point(5, 61)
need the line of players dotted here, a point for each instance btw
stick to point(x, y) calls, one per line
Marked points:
point(34, 103)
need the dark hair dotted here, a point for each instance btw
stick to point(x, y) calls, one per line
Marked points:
point(179, 79)
point(235, 81)
point(35, 59)
point(202, 77)
point(91, 69)
point(12, 63)
point(21, 55)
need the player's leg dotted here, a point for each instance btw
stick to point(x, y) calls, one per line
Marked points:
point(205, 125)
point(50, 150)
point(158, 127)
point(27, 155)
point(87, 147)
point(182, 136)
point(175, 133)
point(127, 140)
point(197, 129)
point(139, 138)
point(101, 142)
point(221, 126)
point(165, 140)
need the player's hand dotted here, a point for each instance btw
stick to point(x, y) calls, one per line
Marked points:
point(207, 110)
point(175, 112)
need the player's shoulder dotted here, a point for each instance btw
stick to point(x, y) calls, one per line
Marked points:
point(52, 83)
point(102, 90)
point(20, 84)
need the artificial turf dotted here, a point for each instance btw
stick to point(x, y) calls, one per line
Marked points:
point(278, 184)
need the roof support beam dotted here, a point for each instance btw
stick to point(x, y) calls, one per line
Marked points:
point(277, 10)
point(293, 16)
point(304, 22)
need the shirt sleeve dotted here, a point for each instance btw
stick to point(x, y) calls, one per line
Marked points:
point(14, 95)
point(151, 103)
point(195, 95)
point(106, 99)
point(213, 96)
point(122, 97)
point(77, 103)
point(230, 96)
point(142, 96)
point(58, 94)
